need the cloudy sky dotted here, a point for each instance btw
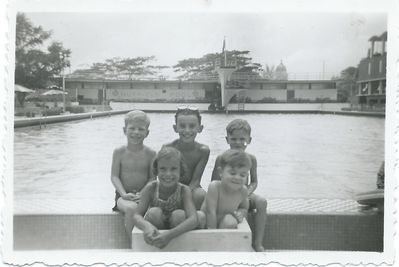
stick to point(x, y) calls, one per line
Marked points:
point(303, 41)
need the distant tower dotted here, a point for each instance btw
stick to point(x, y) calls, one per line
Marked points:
point(281, 72)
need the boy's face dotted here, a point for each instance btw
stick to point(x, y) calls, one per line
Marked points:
point(169, 171)
point(136, 131)
point(234, 177)
point(238, 139)
point(187, 126)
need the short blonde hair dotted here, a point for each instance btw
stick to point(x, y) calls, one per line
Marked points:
point(238, 124)
point(137, 115)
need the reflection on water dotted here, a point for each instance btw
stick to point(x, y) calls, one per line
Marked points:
point(299, 155)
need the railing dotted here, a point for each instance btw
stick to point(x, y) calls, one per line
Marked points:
point(366, 107)
point(292, 76)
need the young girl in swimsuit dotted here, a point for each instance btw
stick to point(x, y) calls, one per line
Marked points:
point(166, 203)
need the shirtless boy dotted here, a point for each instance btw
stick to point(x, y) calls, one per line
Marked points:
point(226, 202)
point(195, 155)
point(132, 166)
point(239, 137)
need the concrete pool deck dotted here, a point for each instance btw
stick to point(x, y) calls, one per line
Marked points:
point(292, 224)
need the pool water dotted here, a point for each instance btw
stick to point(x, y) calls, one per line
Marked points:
point(299, 155)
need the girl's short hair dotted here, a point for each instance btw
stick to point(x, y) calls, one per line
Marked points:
point(137, 115)
point(235, 158)
point(238, 124)
point(170, 152)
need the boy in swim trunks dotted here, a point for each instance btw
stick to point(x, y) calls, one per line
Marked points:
point(195, 155)
point(238, 137)
point(132, 166)
point(226, 203)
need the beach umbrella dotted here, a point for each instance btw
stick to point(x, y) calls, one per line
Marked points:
point(22, 89)
point(55, 92)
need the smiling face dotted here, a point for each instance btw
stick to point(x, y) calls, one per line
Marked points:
point(168, 171)
point(136, 131)
point(233, 177)
point(187, 126)
point(238, 139)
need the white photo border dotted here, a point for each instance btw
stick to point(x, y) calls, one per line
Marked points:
point(88, 257)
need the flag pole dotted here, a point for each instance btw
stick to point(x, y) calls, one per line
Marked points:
point(224, 48)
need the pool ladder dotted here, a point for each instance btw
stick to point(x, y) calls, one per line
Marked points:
point(241, 106)
point(241, 100)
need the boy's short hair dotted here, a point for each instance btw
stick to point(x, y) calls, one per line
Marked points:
point(137, 115)
point(238, 124)
point(235, 158)
point(188, 110)
point(170, 152)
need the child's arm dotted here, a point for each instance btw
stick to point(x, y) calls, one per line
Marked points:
point(215, 173)
point(242, 210)
point(188, 224)
point(211, 205)
point(151, 175)
point(115, 172)
point(253, 175)
point(149, 230)
point(199, 169)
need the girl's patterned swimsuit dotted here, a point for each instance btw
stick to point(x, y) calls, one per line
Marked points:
point(172, 203)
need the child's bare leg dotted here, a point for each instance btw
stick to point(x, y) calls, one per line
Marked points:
point(155, 216)
point(198, 197)
point(228, 222)
point(260, 221)
point(128, 208)
point(201, 219)
point(176, 218)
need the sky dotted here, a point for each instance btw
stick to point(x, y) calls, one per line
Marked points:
point(305, 42)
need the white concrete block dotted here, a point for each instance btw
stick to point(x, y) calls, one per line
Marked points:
point(201, 240)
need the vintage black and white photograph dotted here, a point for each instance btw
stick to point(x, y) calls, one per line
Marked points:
point(262, 132)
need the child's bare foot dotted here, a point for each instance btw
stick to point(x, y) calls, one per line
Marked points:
point(259, 248)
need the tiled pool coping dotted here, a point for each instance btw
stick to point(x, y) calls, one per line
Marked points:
point(104, 206)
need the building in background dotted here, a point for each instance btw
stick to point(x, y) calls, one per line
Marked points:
point(371, 81)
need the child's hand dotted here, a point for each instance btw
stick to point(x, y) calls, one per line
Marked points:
point(161, 240)
point(238, 215)
point(130, 196)
point(149, 234)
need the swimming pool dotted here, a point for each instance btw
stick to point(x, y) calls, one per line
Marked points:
point(299, 155)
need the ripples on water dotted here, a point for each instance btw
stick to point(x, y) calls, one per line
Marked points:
point(299, 155)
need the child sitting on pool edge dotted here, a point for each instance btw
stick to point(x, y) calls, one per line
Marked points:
point(195, 155)
point(238, 137)
point(132, 166)
point(226, 202)
point(166, 203)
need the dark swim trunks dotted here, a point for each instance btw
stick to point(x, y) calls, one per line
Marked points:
point(117, 196)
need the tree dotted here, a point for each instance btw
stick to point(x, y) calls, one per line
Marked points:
point(121, 68)
point(33, 66)
point(269, 73)
point(346, 83)
point(206, 65)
